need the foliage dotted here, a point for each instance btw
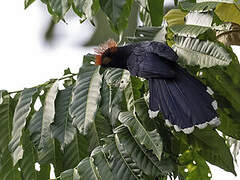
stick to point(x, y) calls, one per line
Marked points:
point(98, 127)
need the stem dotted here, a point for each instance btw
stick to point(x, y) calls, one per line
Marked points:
point(50, 82)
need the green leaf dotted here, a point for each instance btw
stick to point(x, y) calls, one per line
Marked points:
point(7, 170)
point(62, 128)
point(118, 12)
point(27, 3)
point(75, 151)
point(19, 121)
point(200, 7)
point(70, 174)
point(85, 8)
point(189, 30)
point(228, 13)
point(100, 161)
point(121, 164)
point(145, 160)
point(86, 96)
point(194, 166)
point(58, 8)
point(27, 163)
point(199, 19)
point(175, 17)
point(87, 170)
point(156, 11)
point(212, 148)
point(1, 96)
point(151, 140)
point(203, 53)
point(48, 116)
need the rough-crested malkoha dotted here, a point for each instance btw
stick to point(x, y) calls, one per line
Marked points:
point(184, 101)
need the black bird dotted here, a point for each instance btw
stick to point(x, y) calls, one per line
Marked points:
point(183, 100)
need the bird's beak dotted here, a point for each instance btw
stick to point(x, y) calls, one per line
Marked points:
point(98, 60)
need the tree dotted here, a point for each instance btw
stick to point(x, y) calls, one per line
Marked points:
point(98, 126)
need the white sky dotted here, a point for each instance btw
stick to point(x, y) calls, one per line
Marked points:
point(26, 60)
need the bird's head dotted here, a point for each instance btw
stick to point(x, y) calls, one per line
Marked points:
point(106, 54)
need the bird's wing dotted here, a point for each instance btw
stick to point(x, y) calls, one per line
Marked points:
point(150, 65)
point(158, 48)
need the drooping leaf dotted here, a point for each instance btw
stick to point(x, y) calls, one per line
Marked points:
point(62, 128)
point(70, 174)
point(86, 96)
point(85, 8)
point(151, 140)
point(87, 170)
point(175, 17)
point(7, 170)
point(156, 11)
point(121, 164)
point(228, 13)
point(19, 121)
point(212, 148)
point(144, 159)
point(200, 7)
point(203, 53)
point(117, 12)
point(27, 3)
point(58, 8)
point(100, 161)
point(48, 116)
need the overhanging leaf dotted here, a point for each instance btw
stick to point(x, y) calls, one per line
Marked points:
point(62, 128)
point(117, 12)
point(151, 140)
point(27, 3)
point(70, 174)
point(19, 121)
point(203, 53)
point(58, 7)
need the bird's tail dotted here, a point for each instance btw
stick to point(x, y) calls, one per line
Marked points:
point(184, 102)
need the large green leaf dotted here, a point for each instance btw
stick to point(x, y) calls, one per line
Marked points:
point(144, 159)
point(117, 12)
point(86, 97)
point(151, 140)
point(156, 11)
point(212, 148)
point(122, 166)
point(62, 128)
point(19, 121)
point(85, 8)
point(203, 53)
point(87, 170)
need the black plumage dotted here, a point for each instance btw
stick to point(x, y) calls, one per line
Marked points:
point(183, 100)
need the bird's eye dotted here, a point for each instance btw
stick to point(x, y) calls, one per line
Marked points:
point(106, 60)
